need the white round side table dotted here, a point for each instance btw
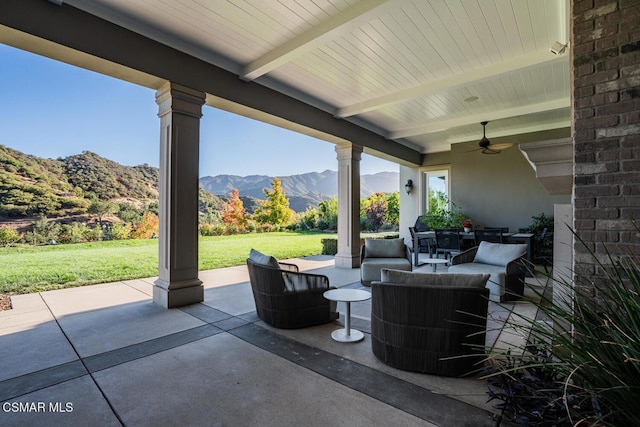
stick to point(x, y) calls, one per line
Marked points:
point(347, 296)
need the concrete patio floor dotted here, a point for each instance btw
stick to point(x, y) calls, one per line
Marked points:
point(106, 355)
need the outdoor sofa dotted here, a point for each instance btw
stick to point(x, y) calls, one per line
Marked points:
point(428, 322)
point(286, 298)
point(505, 262)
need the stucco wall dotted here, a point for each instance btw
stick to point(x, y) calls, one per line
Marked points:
point(498, 190)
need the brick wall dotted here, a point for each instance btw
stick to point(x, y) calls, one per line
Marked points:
point(605, 49)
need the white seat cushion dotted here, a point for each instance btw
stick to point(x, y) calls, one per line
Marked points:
point(497, 276)
point(371, 267)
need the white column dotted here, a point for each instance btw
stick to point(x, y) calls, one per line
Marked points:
point(349, 156)
point(180, 109)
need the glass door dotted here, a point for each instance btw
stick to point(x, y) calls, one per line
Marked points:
point(436, 190)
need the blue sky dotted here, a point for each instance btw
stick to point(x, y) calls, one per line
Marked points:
point(52, 109)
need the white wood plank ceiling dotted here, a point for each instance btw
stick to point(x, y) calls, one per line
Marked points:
point(407, 69)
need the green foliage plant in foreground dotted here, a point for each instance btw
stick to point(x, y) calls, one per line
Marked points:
point(585, 369)
point(34, 269)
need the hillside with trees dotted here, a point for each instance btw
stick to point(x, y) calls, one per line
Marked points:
point(32, 186)
point(86, 197)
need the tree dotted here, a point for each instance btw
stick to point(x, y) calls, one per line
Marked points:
point(233, 213)
point(275, 210)
point(328, 214)
point(393, 208)
point(101, 209)
point(375, 210)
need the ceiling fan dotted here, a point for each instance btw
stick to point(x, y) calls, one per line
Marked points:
point(487, 147)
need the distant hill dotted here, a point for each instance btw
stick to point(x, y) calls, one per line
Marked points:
point(32, 186)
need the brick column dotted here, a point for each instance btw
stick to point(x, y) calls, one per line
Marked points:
point(605, 57)
point(180, 109)
point(349, 156)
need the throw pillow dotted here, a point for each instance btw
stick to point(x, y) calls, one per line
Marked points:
point(499, 253)
point(384, 248)
point(434, 279)
point(262, 259)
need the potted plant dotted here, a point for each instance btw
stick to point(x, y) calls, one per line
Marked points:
point(467, 225)
point(444, 213)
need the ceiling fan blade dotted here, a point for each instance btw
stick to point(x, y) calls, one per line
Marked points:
point(502, 146)
point(490, 151)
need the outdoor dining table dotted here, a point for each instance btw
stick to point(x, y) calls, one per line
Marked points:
point(526, 238)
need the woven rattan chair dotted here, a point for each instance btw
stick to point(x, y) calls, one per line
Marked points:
point(432, 323)
point(504, 262)
point(288, 299)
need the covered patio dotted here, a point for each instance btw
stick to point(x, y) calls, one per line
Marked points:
point(557, 78)
point(107, 355)
point(404, 80)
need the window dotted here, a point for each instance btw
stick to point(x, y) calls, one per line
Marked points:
point(436, 189)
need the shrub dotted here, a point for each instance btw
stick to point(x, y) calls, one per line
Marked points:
point(75, 232)
point(308, 219)
point(329, 246)
point(93, 234)
point(586, 367)
point(147, 227)
point(207, 229)
point(8, 236)
point(42, 231)
point(119, 231)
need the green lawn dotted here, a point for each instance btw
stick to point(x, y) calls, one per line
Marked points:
point(34, 269)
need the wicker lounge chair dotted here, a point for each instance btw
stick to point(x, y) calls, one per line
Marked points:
point(505, 262)
point(286, 298)
point(430, 323)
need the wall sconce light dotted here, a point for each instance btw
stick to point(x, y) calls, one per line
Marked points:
point(408, 186)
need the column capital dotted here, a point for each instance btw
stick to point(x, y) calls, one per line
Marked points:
point(349, 151)
point(179, 99)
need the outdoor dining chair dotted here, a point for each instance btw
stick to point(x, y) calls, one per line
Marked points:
point(488, 235)
point(425, 245)
point(447, 242)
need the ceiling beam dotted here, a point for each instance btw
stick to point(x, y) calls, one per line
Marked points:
point(363, 11)
point(457, 80)
point(434, 126)
point(544, 126)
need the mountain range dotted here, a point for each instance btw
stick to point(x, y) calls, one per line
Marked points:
point(32, 186)
point(325, 183)
point(303, 190)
